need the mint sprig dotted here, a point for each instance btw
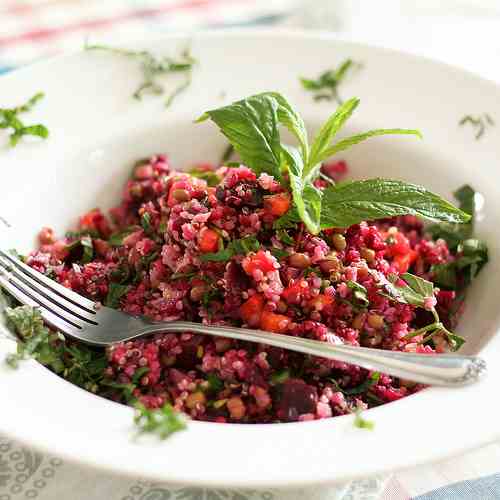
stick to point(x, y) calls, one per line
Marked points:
point(416, 291)
point(252, 127)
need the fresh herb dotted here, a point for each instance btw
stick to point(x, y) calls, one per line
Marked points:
point(75, 235)
point(235, 247)
point(116, 239)
point(417, 292)
point(209, 176)
point(226, 156)
point(152, 67)
point(279, 253)
point(285, 237)
point(146, 222)
point(453, 234)
point(163, 421)
point(280, 377)
point(325, 87)
point(88, 249)
point(252, 127)
point(364, 386)
point(9, 118)
point(472, 254)
point(363, 423)
point(359, 293)
point(215, 384)
point(79, 364)
point(479, 123)
point(115, 293)
point(350, 203)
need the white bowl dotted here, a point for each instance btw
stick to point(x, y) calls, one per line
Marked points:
point(98, 130)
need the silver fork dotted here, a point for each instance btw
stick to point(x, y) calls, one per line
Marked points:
point(82, 319)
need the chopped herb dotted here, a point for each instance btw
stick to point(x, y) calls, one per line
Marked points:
point(116, 239)
point(115, 294)
point(472, 253)
point(252, 127)
point(146, 222)
point(88, 249)
point(415, 291)
point(479, 123)
point(285, 237)
point(152, 67)
point(362, 423)
point(163, 421)
point(79, 364)
point(9, 119)
point(364, 386)
point(209, 176)
point(215, 384)
point(182, 276)
point(75, 235)
point(280, 377)
point(235, 247)
point(359, 292)
point(279, 253)
point(325, 87)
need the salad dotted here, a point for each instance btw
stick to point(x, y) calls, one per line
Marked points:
point(277, 240)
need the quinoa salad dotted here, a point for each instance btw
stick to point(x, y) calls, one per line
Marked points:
point(229, 243)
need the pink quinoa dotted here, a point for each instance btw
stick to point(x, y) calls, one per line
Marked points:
point(151, 250)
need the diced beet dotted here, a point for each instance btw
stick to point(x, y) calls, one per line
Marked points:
point(296, 398)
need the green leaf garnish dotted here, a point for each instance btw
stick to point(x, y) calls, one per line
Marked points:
point(364, 386)
point(235, 247)
point(363, 423)
point(325, 87)
point(152, 67)
point(359, 292)
point(209, 176)
point(115, 293)
point(252, 127)
point(415, 291)
point(350, 203)
point(163, 421)
point(116, 239)
point(9, 118)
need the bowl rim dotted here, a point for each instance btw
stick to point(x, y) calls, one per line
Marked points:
point(488, 433)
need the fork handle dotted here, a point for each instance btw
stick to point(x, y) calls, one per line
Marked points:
point(440, 370)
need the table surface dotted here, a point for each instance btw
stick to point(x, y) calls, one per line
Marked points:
point(463, 35)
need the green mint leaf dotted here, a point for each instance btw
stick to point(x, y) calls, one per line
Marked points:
point(455, 341)
point(328, 82)
point(364, 386)
point(329, 130)
point(356, 139)
point(215, 384)
point(359, 292)
point(414, 291)
point(9, 119)
point(288, 117)
point(453, 234)
point(279, 253)
point(116, 239)
point(139, 373)
point(285, 237)
point(362, 423)
point(163, 421)
point(444, 275)
point(306, 197)
point(152, 67)
point(251, 126)
point(287, 221)
point(350, 203)
point(88, 249)
point(115, 294)
point(235, 247)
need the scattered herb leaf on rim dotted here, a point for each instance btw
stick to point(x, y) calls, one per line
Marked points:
point(152, 67)
point(9, 119)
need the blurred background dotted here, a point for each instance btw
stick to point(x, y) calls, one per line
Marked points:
point(463, 32)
